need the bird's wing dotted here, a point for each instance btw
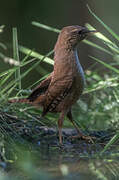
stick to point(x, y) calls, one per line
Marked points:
point(40, 89)
point(57, 91)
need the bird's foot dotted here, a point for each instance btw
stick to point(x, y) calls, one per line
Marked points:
point(61, 146)
point(87, 138)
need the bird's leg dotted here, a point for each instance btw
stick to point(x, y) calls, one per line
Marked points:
point(80, 134)
point(60, 124)
point(69, 115)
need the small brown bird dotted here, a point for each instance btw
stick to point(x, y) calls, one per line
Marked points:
point(63, 87)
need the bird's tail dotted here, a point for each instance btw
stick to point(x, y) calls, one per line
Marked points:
point(23, 100)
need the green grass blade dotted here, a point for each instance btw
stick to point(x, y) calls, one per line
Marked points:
point(16, 81)
point(9, 60)
point(112, 141)
point(28, 62)
point(36, 55)
point(111, 82)
point(58, 31)
point(9, 73)
point(97, 46)
point(11, 89)
point(3, 81)
point(106, 65)
point(3, 46)
point(45, 27)
point(16, 55)
point(26, 57)
point(36, 64)
point(103, 24)
point(9, 85)
point(104, 39)
point(5, 72)
point(2, 28)
point(34, 84)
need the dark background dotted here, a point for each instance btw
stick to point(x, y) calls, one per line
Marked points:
point(20, 14)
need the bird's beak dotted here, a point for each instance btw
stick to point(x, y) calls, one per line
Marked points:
point(86, 31)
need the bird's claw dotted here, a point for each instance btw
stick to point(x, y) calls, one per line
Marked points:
point(87, 138)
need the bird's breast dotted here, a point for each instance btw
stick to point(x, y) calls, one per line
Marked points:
point(67, 70)
point(78, 67)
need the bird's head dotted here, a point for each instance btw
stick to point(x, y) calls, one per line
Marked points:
point(72, 35)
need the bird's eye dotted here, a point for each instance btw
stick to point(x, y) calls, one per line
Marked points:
point(80, 32)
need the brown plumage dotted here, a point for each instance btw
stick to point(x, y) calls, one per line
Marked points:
point(63, 87)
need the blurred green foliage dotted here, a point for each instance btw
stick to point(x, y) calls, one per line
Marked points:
point(97, 108)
